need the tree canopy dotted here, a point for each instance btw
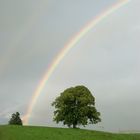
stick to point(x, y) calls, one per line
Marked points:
point(15, 119)
point(76, 106)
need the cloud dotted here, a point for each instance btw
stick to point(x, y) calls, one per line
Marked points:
point(106, 60)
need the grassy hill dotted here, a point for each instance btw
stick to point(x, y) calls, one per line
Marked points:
point(46, 133)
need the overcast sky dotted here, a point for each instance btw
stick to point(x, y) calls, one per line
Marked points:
point(106, 59)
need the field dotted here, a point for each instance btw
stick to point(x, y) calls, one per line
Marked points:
point(47, 133)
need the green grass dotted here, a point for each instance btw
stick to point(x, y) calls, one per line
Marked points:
point(46, 133)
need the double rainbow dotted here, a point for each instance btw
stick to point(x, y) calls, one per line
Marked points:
point(65, 50)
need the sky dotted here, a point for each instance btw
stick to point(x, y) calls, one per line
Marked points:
point(106, 59)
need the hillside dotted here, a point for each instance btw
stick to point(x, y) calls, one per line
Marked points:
point(46, 133)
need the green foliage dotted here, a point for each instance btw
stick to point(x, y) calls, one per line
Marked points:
point(11, 132)
point(76, 106)
point(15, 119)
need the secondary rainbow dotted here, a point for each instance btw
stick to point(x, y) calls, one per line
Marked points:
point(65, 50)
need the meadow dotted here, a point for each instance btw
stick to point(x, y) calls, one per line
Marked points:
point(47, 133)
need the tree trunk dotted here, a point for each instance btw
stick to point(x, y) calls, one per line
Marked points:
point(74, 125)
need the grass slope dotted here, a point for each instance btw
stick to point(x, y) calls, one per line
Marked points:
point(46, 133)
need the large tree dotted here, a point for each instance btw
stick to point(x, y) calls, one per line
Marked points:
point(76, 106)
point(15, 119)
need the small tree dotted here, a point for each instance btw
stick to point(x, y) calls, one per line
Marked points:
point(76, 106)
point(15, 119)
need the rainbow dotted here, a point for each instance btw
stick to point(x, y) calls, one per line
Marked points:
point(65, 50)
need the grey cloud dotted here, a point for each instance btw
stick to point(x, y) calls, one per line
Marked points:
point(106, 59)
